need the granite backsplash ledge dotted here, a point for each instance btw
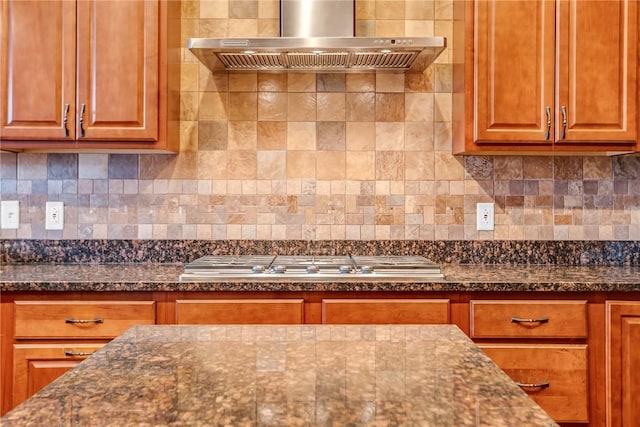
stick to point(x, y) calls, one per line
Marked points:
point(532, 252)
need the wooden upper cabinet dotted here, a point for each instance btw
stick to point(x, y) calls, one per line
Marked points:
point(38, 69)
point(547, 76)
point(117, 70)
point(86, 74)
point(514, 54)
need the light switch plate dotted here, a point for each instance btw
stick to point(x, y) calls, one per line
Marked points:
point(9, 214)
point(54, 216)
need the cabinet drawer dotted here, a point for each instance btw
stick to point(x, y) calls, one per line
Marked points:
point(528, 319)
point(80, 319)
point(563, 367)
point(384, 311)
point(277, 311)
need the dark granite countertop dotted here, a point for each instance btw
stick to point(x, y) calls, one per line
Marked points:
point(284, 375)
point(164, 277)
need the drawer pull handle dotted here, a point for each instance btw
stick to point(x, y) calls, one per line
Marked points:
point(543, 384)
point(521, 320)
point(96, 320)
point(78, 353)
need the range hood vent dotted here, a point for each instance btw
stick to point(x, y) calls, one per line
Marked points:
point(317, 35)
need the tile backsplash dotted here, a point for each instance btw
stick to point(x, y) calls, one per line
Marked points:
point(304, 156)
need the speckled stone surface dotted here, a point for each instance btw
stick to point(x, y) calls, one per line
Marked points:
point(498, 252)
point(458, 278)
point(308, 375)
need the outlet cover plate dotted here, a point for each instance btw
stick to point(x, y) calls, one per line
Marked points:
point(485, 216)
point(54, 216)
point(10, 214)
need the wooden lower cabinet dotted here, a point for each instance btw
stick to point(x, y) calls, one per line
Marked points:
point(249, 311)
point(36, 365)
point(554, 375)
point(385, 311)
point(623, 363)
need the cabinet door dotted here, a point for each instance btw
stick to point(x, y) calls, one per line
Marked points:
point(597, 64)
point(36, 365)
point(37, 74)
point(514, 71)
point(623, 363)
point(118, 70)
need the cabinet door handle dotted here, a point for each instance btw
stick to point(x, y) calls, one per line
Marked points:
point(547, 135)
point(543, 384)
point(523, 320)
point(81, 120)
point(563, 134)
point(71, 353)
point(96, 320)
point(64, 119)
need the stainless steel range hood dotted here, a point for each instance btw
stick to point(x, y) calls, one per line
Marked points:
point(318, 35)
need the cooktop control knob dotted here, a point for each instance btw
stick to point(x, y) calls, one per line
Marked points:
point(312, 269)
point(279, 269)
point(257, 269)
point(345, 269)
point(366, 269)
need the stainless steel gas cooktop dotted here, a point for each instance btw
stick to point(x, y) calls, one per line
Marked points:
point(282, 268)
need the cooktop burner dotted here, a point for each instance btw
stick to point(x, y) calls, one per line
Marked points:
point(311, 268)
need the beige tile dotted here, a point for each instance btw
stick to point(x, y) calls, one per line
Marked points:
point(269, 9)
point(301, 136)
point(361, 82)
point(390, 136)
point(389, 28)
point(272, 135)
point(419, 9)
point(390, 82)
point(243, 106)
point(448, 167)
point(390, 9)
point(330, 135)
point(389, 107)
point(360, 136)
point(243, 82)
point(330, 106)
point(366, 9)
point(272, 82)
point(330, 165)
point(242, 164)
point(272, 106)
point(360, 165)
point(268, 27)
point(301, 164)
point(214, 9)
point(418, 136)
point(419, 107)
point(389, 165)
point(243, 28)
point(212, 165)
point(213, 106)
point(301, 107)
point(419, 29)
point(242, 135)
point(360, 107)
point(213, 28)
point(301, 82)
point(271, 164)
point(419, 165)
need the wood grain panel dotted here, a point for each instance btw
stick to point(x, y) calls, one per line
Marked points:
point(564, 367)
point(493, 319)
point(254, 311)
point(36, 365)
point(39, 319)
point(385, 311)
point(623, 363)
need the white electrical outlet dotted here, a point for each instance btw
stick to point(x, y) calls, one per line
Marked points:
point(54, 216)
point(485, 216)
point(10, 214)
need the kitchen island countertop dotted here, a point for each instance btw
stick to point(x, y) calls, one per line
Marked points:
point(164, 277)
point(284, 375)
